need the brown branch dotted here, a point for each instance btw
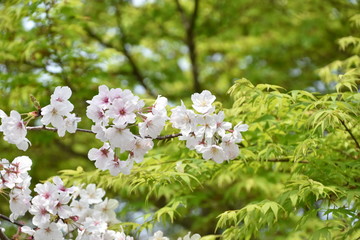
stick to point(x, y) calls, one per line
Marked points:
point(3, 217)
point(189, 24)
point(285, 160)
point(123, 41)
point(40, 128)
point(3, 236)
point(351, 134)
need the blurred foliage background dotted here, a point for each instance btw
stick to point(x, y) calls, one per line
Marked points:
point(171, 48)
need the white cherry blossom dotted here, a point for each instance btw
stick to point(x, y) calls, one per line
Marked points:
point(152, 126)
point(101, 156)
point(122, 111)
point(14, 130)
point(62, 95)
point(48, 231)
point(202, 102)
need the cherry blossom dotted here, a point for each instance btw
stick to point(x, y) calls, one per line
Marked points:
point(14, 130)
point(202, 102)
point(48, 231)
point(188, 237)
point(159, 235)
point(101, 156)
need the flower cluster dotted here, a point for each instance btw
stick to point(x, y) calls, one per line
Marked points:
point(58, 112)
point(73, 212)
point(14, 129)
point(114, 112)
point(206, 131)
point(159, 235)
point(57, 211)
point(60, 212)
point(14, 176)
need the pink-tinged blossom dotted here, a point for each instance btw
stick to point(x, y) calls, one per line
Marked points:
point(99, 131)
point(221, 126)
point(213, 152)
point(97, 114)
point(54, 114)
point(125, 95)
point(40, 210)
point(14, 130)
point(230, 148)
point(152, 126)
point(95, 224)
point(191, 141)
point(122, 111)
point(19, 204)
point(117, 166)
point(92, 194)
point(236, 134)
point(61, 95)
point(101, 156)
point(102, 100)
point(61, 187)
point(159, 235)
point(189, 237)
point(48, 231)
point(203, 102)
point(21, 165)
point(69, 124)
point(27, 230)
point(81, 209)
point(207, 126)
point(62, 209)
point(121, 137)
point(106, 209)
point(183, 119)
point(141, 147)
point(46, 190)
point(112, 235)
point(159, 107)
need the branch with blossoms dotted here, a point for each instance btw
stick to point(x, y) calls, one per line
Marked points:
point(59, 212)
point(39, 128)
point(114, 112)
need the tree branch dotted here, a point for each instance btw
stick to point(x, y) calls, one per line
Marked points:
point(123, 40)
point(3, 217)
point(285, 160)
point(189, 25)
point(351, 134)
point(40, 128)
point(3, 236)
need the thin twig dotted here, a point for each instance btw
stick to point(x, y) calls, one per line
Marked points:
point(351, 134)
point(285, 160)
point(3, 217)
point(123, 40)
point(40, 128)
